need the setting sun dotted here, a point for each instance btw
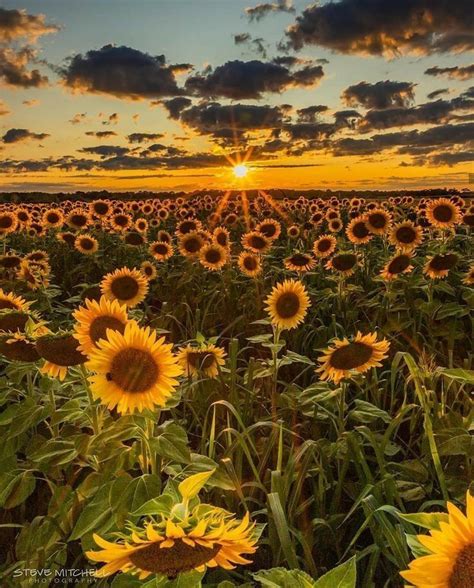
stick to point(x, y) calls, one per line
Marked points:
point(240, 171)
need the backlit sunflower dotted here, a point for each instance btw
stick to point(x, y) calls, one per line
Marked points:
point(134, 370)
point(60, 352)
point(450, 544)
point(100, 208)
point(10, 301)
point(53, 218)
point(161, 250)
point(343, 356)
point(256, 242)
point(358, 232)
point(406, 235)
point(249, 263)
point(335, 225)
point(293, 232)
point(324, 246)
point(78, 219)
point(221, 236)
point(343, 263)
point(438, 266)
point(287, 304)
point(205, 359)
point(171, 543)
point(190, 244)
point(399, 264)
point(86, 244)
point(149, 270)
point(94, 318)
point(271, 228)
point(128, 286)
point(213, 256)
point(8, 222)
point(66, 237)
point(378, 221)
point(442, 213)
point(299, 262)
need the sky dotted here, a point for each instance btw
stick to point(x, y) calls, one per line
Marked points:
point(128, 95)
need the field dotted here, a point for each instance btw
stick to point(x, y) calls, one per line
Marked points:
point(235, 392)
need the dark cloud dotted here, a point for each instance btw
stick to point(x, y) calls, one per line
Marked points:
point(18, 23)
point(449, 158)
point(143, 137)
point(106, 150)
point(174, 106)
point(257, 44)
point(112, 119)
point(101, 134)
point(242, 38)
point(122, 72)
point(378, 27)
point(310, 113)
point(78, 118)
point(456, 72)
point(14, 68)
point(438, 93)
point(16, 135)
point(250, 79)
point(384, 94)
point(261, 10)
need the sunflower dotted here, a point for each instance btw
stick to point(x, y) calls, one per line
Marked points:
point(363, 353)
point(256, 242)
point(188, 226)
point(335, 225)
point(299, 262)
point(450, 545)
point(17, 347)
point(34, 274)
point(53, 218)
point(293, 232)
point(324, 246)
point(78, 219)
point(164, 237)
point(213, 256)
point(399, 264)
point(141, 225)
point(343, 263)
point(438, 266)
point(134, 239)
point(206, 359)
point(442, 213)
point(121, 222)
point(469, 276)
point(169, 544)
point(60, 352)
point(406, 235)
point(161, 250)
point(94, 318)
point(357, 231)
point(134, 369)
point(287, 304)
point(249, 263)
point(86, 244)
point(148, 270)
point(221, 236)
point(8, 222)
point(128, 286)
point(10, 301)
point(67, 237)
point(271, 228)
point(190, 244)
point(378, 221)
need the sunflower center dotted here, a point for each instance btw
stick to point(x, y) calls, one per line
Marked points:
point(213, 256)
point(5, 222)
point(443, 213)
point(134, 239)
point(443, 262)
point(87, 244)
point(133, 370)
point(79, 220)
point(160, 249)
point(222, 239)
point(99, 326)
point(250, 263)
point(52, 217)
point(462, 574)
point(350, 356)
point(5, 303)
point(406, 235)
point(399, 264)
point(101, 207)
point(299, 259)
point(344, 262)
point(360, 230)
point(268, 230)
point(377, 220)
point(174, 560)
point(192, 245)
point(324, 245)
point(288, 305)
point(124, 288)
point(257, 242)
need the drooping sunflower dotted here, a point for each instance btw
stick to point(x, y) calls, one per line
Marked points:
point(358, 232)
point(59, 352)
point(249, 263)
point(300, 262)
point(128, 286)
point(66, 237)
point(134, 239)
point(94, 318)
point(164, 237)
point(190, 244)
point(399, 264)
point(438, 266)
point(450, 544)
point(343, 263)
point(12, 320)
point(86, 244)
point(205, 359)
point(442, 213)
point(344, 356)
point(149, 270)
point(161, 250)
point(287, 304)
point(134, 369)
point(10, 301)
point(406, 236)
point(378, 221)
point(256, 242)
point(324, 246)
point(213, 256)
point(18, 347)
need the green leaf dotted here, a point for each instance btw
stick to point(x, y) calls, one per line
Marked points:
point(460, 375)
point(94, 514)
point(427, 520)
point(282, 578)
point(343, 576)
point(161, 505)
point(171, 443)
point(191, 487)
point(16, 486)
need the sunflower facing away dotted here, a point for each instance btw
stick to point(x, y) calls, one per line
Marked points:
point(287, 304)
point(344, 356)
point(299, 262)
point(450, 559)
point(59, 352)
point(167, 545)
point(206, 360)
point(133, 370)
point(128, 286)
point(9, 301)
point(94, 318)
point(438, 266)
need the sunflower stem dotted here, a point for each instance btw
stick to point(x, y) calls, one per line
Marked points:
point(92, 405)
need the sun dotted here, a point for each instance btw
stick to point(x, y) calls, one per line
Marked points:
point(240, 171)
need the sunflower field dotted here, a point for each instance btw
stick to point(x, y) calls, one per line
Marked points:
point(237, 392)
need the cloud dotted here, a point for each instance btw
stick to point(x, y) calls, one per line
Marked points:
point(31, 103)
point(261, 10)
point(13, 68)
point(122, 72)
point(112, 119)
point(16, 135)
point(381, 27)
point(18, 23)
point(438, 93)
point(175, 105)
point(106, 150)
point(3, 109)
point(310, 113)
point(258, 44)
point(456, 72)
point(101, 134)
point(384, 94)
point(250, 79)
point(142, 137)
point(449, 158)
point(78, 118)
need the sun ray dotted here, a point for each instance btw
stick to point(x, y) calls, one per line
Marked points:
point(269, 200)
